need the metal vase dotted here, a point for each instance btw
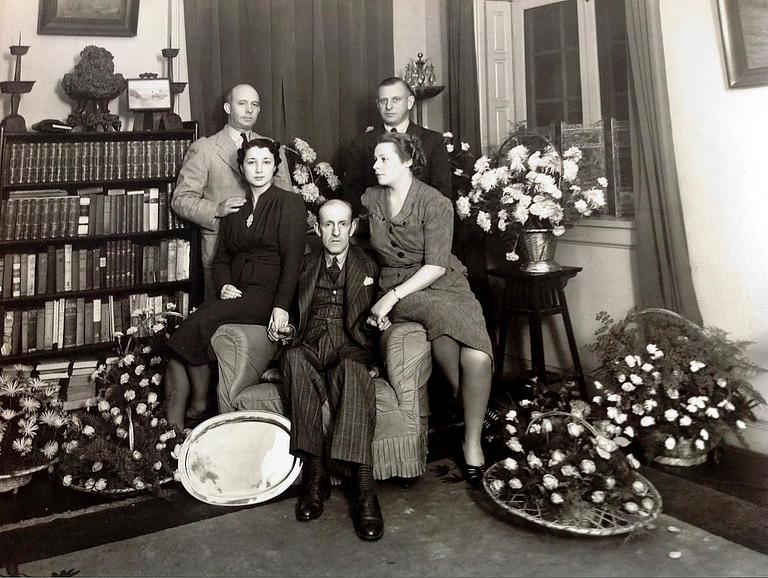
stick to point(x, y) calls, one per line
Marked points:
point(538, 251)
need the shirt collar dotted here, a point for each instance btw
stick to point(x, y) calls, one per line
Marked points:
point(234, 134)
point(341, 258)
point(402, 127)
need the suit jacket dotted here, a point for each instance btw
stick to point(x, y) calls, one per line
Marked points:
point(208, 176)
point(359, 293)
point(359, 173)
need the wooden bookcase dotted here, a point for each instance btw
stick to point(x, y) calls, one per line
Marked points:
point(87, 231)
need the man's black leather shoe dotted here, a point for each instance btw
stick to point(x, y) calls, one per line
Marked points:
point(317, 488)
point(368, 521)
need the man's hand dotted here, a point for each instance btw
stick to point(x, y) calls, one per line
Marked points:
point(230, 292)
point(278, 324)
point(229, 206)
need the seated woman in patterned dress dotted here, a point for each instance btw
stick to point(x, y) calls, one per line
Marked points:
point(411, 228)
point(255, 272)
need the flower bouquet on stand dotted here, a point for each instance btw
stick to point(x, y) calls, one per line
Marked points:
point(462, 163)
point(528, 197)
point(32, 424)
point(674, 387)
point(313, 180)
point(124, 444)
point(565, 474)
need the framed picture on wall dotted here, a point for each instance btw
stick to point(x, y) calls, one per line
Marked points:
point(88, 18)
point(145, 94)
point(743, 25)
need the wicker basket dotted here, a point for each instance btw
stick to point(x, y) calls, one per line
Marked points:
point(685, 454)
point(591, 520)
point(15, 480)
point(114, 492)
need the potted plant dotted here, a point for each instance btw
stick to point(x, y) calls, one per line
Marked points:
point(32, 424)
point(564, 473)
point(123, 443)
point(529, 194)
point(676, 388)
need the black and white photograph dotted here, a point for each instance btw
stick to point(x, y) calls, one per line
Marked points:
point(398, 288)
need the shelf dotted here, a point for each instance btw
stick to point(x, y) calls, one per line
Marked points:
point(100, 136)
point(63, 352)
point(125, 183)
point(153, 288)
point(182, 232)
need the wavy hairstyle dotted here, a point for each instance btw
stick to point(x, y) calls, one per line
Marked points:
point(408, 147)
point(263, 143)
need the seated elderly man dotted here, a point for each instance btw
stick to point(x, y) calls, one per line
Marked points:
point(329, 363)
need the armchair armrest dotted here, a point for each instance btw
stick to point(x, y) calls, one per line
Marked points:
point(243, 353)
point(408, 361)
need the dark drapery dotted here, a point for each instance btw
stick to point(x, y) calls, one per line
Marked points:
point(315, 63)
point(463, 94)
point(662, 249)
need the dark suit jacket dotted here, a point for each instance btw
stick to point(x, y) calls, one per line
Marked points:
point(359, 292)
point(359, 173)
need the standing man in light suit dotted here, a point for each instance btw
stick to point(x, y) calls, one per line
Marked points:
point(210, 186)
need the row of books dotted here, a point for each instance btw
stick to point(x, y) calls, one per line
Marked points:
point(119, 263)
point(57, 162)
point(74, 378)
point(64, 323)
point(51, 214)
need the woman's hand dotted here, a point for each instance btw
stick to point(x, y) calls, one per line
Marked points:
point(382, 307)
point(382, 325)
point(230, 292)
point(278, 322)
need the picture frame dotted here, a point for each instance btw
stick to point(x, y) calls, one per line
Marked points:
point(149, 94)
point(745, 45)
point(93, 18)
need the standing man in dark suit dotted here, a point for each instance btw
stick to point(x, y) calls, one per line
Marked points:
point(326, 378)
point(394, 99)
point(209, 186)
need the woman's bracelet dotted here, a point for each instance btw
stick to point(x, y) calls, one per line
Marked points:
point(394, 292)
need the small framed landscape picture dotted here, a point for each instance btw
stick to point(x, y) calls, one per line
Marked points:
point(149, 94)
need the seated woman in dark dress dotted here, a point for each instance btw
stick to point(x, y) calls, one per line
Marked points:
point(411, 228)
point(255, 272)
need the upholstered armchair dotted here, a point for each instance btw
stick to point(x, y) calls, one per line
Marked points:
point(400, 441)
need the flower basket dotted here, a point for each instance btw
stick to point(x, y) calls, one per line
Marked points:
point(17, 479)
point(570, 478)
point(79, 485)
point(673, 386)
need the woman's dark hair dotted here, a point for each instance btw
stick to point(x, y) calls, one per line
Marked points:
point(408, 147)
point(261, 143)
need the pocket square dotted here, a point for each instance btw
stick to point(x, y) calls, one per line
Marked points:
point(368, 281)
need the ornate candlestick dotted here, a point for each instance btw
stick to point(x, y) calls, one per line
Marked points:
point(14, 122)
point(171, 120)
point(420, 76)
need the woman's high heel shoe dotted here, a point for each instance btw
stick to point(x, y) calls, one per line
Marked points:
point(473, 475)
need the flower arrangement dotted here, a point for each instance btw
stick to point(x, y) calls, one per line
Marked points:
point(123, 442)
point(666, 382)
point(314, 180)
point(521, 189)
point(32, 421)
point(563, 472)
point(462, 162)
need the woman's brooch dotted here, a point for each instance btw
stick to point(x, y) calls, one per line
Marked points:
point(249, 221)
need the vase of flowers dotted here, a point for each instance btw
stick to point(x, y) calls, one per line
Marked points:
point(530, 194)
point(123, 443)
point(564, 473)
point(32, 424)
point(675, 388)
point(313, 180)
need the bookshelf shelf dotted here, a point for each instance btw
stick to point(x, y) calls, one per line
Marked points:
point(149, 288)
point(87, 236)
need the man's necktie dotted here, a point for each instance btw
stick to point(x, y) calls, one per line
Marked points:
point(244, 136)
point(393, 130)
point(334, 270)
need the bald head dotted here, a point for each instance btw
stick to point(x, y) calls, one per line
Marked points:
point(335, 225)
point(242, 106)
